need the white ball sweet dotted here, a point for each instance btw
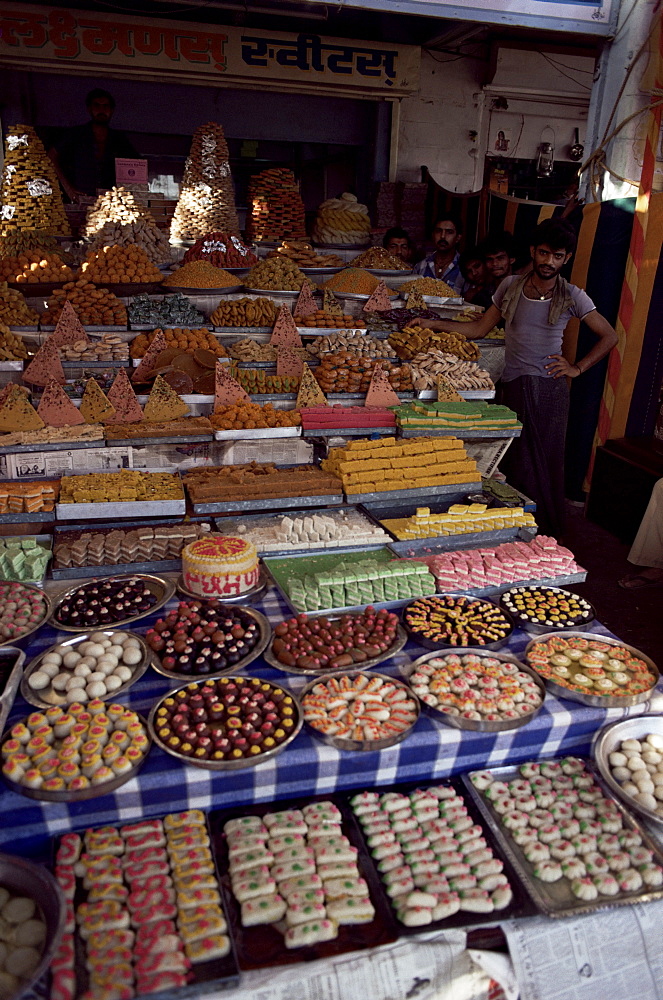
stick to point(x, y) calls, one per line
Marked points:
point(50, 669)
point(635, 763)
point(74, 682)
point(98, 637)
point(132, 655)
point(82, 670)
point(107, 660)
point(116, 651)
point(94, 649)
point(39, 680)
point(652, 757)
point(655, 741)
point(55, 658)
point(71, 658)
point(96, 690)
point(646, 800)
point(106, 668)
point(632, 745)
point(621, 774)
point(113, 683)
point(123, 673)
point(60, 681)
point(76, 694)
point(618, 759)
point(120, 637)
point(87, 661)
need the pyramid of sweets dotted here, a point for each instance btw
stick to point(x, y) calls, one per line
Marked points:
point(117, 218)
point(342, 220)
point(207, 198)
point(120, 264)
point(276, 206)
point(20, 241)
point(14, 310)
point(34, 267)
point(221, 250)
point(379, 466)
point(93, 306)
point(30, 192)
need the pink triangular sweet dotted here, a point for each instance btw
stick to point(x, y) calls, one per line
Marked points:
point(284, 332)
point(380, 392)
point(306, 304)
point(146, 367)
point(379, 300)
point(56, 409)
point(121, 395)
point(227, 389)
point(288, 363)
point(45, 366)
point(69, 329)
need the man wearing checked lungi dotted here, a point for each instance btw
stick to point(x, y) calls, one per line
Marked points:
point(536, 306)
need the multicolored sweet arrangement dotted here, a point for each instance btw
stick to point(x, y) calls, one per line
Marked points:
point(22, 609)
point(547, 606)
point(297, 866)
point(590, 666)
point(74, 748)
point(360, 707)
point(433, 858)
point(476, 688)
point(203, 637)
point(105, 602)
point(457, 621)
point(569, 832)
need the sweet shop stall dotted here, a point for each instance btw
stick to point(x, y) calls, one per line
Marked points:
point(285, 671)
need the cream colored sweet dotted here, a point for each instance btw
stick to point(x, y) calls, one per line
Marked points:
point(94, 668)
point(637, 766)
point(220, 566)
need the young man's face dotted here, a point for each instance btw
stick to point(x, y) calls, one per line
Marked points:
point(398, 247)
point(101, 110)
point(445, 235)
point(547, 262)
point(475, 272)
point(498, 264)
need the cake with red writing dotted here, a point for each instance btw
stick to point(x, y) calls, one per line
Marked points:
point(220, 566)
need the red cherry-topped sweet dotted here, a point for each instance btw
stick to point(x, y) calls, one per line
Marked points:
point(333, 643)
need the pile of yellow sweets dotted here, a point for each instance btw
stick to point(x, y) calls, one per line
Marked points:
point(124, 487)
point(459, 519)
point(387, 464)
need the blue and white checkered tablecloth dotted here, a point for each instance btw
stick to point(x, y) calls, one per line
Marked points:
point(306, 767)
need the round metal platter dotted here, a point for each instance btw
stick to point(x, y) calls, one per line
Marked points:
point(401, 639)
point(264, 637)
point(343, 743)
point(384, 272)
point(441, 300)
point(321, 270)
point(224, 765)
point(533, 629)
point(268, 292)
point(26, 878)
point(184, 290)
point(595, 700)
point(448, 647)
point(94, 791)
point(162, 589)
point(124, 288)
point(48, 608)
point(248, 595)
point(610, 738)
point(478, 725)
point(47, 698)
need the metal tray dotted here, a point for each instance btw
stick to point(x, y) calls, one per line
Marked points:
point(444, 647)
point(264, 638)
point(225, 765)
point(272, 503)
point(18, 449)
point(48, 608)
point(248, 595)
point(233, 331)
point(390, 272)
point(469, 394)
point(139, 442)
point(26, 878)
point(120, 509)
point(48, 697)
point(125, 288)
point(520, 905)
point(262, 946)
point(347, 431)
point(596, 700)
point(184, 290)
point(465, 540)
point(532, 629)
point(321, 270)
point(443, 300)
point(342, 743)
point(11, 681)
point(258, 433)
point(609, 739)
point(396, 647)
point(554, 899)
point(93, 792)
point(465, 433)
point(269, 293)
point(478, 725)
point(32, 518)
point(407, 496)
point(88, 572)
point(163, 589)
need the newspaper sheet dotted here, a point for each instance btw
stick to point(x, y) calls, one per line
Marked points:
point(30, 465)
point(614, 953)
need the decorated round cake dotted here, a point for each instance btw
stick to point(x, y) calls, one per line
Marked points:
point(220, 566)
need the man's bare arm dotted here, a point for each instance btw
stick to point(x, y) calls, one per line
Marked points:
point(474, 330)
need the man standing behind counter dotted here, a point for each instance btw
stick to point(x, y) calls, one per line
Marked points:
point(536, 306)
point(443, 263)
point(84, 158)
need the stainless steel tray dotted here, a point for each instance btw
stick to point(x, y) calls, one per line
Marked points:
point(88, 572)
point(226, 765)
point(609, 739)
point(596, 700)
point(26, 878)
point(48, 697)
point(478, 725)
point(555, 899)
point(444, 647)
point(407, 496)
point(264, 638)
point(48, 608)
point(119, 509)
point(396, 647)
point(8, 693)
point(271, 292)
point(231, 526)
point(162, 589)
point(273, 503)
point(465, 433)
point(341, 742)
point(184, 290)
point(347, 431)
point(33, 518)
point(248, 595)
point(232, 331)
point(139, 442)
point(532, 629)
point(258, 433)
point(93, 792)
point(20, 449)
point(470, 540)
point(321, 270)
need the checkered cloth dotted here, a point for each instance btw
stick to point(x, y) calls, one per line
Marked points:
point(306, 767)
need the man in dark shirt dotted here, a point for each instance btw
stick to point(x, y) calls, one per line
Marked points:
point(84, 158)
